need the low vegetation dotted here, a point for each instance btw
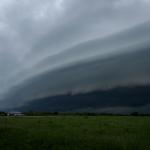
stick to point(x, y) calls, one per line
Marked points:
point(75, 133)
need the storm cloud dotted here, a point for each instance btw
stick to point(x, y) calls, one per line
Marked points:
point(53, 47)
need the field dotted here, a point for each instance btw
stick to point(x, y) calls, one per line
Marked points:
point(75, 133)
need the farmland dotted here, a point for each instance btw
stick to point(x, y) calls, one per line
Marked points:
point(75, 133)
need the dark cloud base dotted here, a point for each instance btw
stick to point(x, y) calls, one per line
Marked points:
point(128, 97)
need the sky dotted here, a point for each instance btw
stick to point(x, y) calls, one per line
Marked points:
point(52, 47)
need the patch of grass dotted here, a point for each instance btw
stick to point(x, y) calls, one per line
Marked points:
point(75, 133)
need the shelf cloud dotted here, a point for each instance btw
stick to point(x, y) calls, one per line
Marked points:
point(55, 47)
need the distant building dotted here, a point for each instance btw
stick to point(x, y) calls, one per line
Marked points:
point(15, 114)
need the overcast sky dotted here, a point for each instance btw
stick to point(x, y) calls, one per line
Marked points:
point(44, 36)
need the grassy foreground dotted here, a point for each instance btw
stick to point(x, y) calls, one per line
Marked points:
point(75, 133)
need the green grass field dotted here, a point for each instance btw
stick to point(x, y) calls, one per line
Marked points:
point(75, 133)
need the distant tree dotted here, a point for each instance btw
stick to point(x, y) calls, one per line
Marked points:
point(134, 114)
point(3, 113)
point(56, 113)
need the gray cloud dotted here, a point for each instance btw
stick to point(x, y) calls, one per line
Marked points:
point(40, 37)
